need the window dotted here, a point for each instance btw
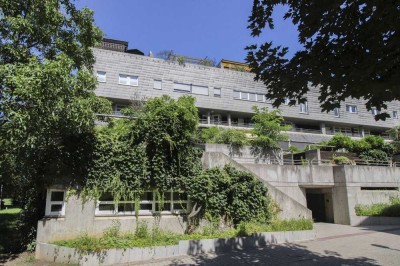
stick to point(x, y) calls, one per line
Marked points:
point(157, 84)
point(375, 111)
point(128, 80)
point(395, 115)
point(351, 109)
point(118, 108)
point(287, 101)
point(174, 202)
point(304, 108)
point(201, 90)
point(217, 92)
point(55, 203)
point(248, 96)
point(188, 88)
point(336, 112)
point(179, 87)
point(101, 76)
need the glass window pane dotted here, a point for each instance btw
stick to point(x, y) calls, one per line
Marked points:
point(244, 96)
point(167, 196)
point(181, 87)
point(123, 79)
point(57, 196)
point(252, 96)
point(126, 207)
point(217, 92)
point(199, 90)
point(56, 208)
point(147, 196)
point(260, 97)
point(106, 207)
point(146, 206)
point(167, 207)
point(157, 84)
point(133, 80)
point(236, 94)
point(179, 196)
point(101, 76)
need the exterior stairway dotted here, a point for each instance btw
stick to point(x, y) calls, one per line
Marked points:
point(290, 208)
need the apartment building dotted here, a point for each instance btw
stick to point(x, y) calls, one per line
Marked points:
point(225, 95)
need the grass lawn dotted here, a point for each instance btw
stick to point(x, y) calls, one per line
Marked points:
point(8, 223)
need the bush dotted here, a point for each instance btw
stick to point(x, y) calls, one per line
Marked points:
point(342, 160)
point(161, 238)
point(230, 195)
point(341, 142)
point(374, 155)
point(234, 137)
point(391, 209)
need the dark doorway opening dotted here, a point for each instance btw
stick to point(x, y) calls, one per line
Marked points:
point(319, 201)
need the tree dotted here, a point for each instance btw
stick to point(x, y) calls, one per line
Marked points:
point(47, 100)
point(351, 49)
point(267, 131)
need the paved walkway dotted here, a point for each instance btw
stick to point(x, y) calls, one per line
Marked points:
point(335, 245)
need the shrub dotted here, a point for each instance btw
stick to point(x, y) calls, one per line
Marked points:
point(341, 142)
point(230, 195)
point(374, 155)
point(234, 137)
point(341, 160)
point(391, 209)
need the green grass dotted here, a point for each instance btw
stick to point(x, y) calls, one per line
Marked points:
point(143, 237)
point(8, 228)
point(391, 209)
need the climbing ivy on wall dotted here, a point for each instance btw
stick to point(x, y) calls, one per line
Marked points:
point(154, 150)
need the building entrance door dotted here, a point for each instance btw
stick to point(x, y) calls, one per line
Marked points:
point(316, 203)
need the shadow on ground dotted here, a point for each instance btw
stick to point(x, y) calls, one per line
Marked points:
point(287, 254)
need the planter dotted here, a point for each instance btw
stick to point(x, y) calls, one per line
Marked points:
point(60, 254)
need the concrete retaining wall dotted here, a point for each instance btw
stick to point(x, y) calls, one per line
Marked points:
point(59, 254)
point(374, 220)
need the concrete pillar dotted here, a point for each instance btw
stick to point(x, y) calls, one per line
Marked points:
point(362, 132)
point(323, 128)
point(208, 117)
point(229, 119)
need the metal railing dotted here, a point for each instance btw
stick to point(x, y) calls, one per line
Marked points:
point(274, 161)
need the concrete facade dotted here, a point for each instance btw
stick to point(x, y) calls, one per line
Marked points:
point(313, 124)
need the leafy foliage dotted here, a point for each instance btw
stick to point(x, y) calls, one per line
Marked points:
point(230, 195)
point(154, 150)
point(267, 132)
point(142, 237)
point(350, 49)
point(369, 148)
point(229, 136)
point(47, 100)
point(391, 209)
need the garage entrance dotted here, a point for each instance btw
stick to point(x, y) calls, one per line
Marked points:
point(319, 201)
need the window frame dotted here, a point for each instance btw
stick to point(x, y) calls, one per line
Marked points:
point(350, 107)
point(145, 212)
point(238, 95)
point(98, 75)
point(303, 106)
point(217, 94)
point(160, 82)
point(375, 111)
point(129, 79)
point(395, 116)
point(50, 203)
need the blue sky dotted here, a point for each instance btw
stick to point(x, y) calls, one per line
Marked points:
point(200, 28)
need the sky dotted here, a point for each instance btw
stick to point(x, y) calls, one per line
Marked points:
point(214, 29)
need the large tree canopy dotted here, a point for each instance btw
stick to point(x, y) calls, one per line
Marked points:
point(350, 49)
point(47, 100)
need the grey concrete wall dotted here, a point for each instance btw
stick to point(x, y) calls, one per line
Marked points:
point(58, 254)
point(80, 219)
point(148, 69)
point(347, 191)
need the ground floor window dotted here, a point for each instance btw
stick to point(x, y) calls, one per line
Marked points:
point(149, 203)
point(55, 203)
